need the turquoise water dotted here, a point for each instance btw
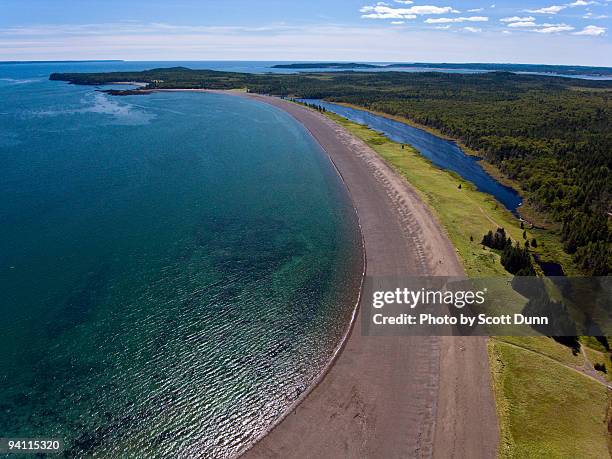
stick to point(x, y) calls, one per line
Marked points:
point(441, 152)
point(175, 269)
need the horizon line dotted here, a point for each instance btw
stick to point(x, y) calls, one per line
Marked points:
point(297, 61)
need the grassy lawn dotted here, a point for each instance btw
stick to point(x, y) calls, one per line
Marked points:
point(545, 409)
point(601, 358)
point(547, 347)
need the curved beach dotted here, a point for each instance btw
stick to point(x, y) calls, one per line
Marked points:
point(389, 397)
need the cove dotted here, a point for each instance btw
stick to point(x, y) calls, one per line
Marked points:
point(176, 269)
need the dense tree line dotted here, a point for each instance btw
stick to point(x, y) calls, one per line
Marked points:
point(514, 258)
point(497, 240)
point(316, 107)
point(552, 135)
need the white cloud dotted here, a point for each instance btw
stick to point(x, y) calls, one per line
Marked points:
point(461, 19)
point(591, 30)
point(132, 28)
point(552, 28)
point(545, 28)
point(384, 11)
point(475, 10)
point(523, 24)
point(428, 9)
point(518, 19)
point(442, 27)
point(150, 42)
point(473, 29)
point(397, 22)
point(388, 16)
point(405, 2)
point(554, 9)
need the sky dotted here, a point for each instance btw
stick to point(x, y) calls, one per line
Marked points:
point(574, 32)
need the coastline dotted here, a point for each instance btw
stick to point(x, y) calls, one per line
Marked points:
point(349, 329)
point(526, 212)
point(441, 404)
point(405, 394)
point(386, 396)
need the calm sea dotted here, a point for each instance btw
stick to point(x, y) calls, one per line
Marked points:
point(175, 269)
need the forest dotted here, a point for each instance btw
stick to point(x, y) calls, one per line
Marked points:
point(514, 258)
point(551, 135)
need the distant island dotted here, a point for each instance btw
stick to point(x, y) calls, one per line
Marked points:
point(514, 68)
point(60, 62)
point(331, 65)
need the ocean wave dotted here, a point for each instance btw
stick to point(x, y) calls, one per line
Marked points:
point(122, 113)
point(21, 81)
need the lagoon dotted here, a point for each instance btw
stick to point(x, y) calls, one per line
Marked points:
point(441, 152)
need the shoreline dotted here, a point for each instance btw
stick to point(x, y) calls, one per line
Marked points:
point(358, 406)
point(385, 396)
point(541, 224)
point(525, 212)
point(349, 329)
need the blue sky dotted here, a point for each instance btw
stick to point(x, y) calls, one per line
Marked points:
point(525, 31)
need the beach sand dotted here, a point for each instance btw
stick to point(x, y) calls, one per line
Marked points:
point(389, 397)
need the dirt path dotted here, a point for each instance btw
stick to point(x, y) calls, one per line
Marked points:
point(390, 397)
point(587, 370)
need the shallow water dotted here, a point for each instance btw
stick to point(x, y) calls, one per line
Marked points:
point(176, 268)
point(443, 153)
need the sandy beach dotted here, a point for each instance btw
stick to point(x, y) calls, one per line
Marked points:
point(391, 397)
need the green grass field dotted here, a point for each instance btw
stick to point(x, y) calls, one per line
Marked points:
point(546, 409)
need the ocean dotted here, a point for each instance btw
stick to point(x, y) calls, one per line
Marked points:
point(176, 269)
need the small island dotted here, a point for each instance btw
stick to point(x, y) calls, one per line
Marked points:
point(329, 65)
